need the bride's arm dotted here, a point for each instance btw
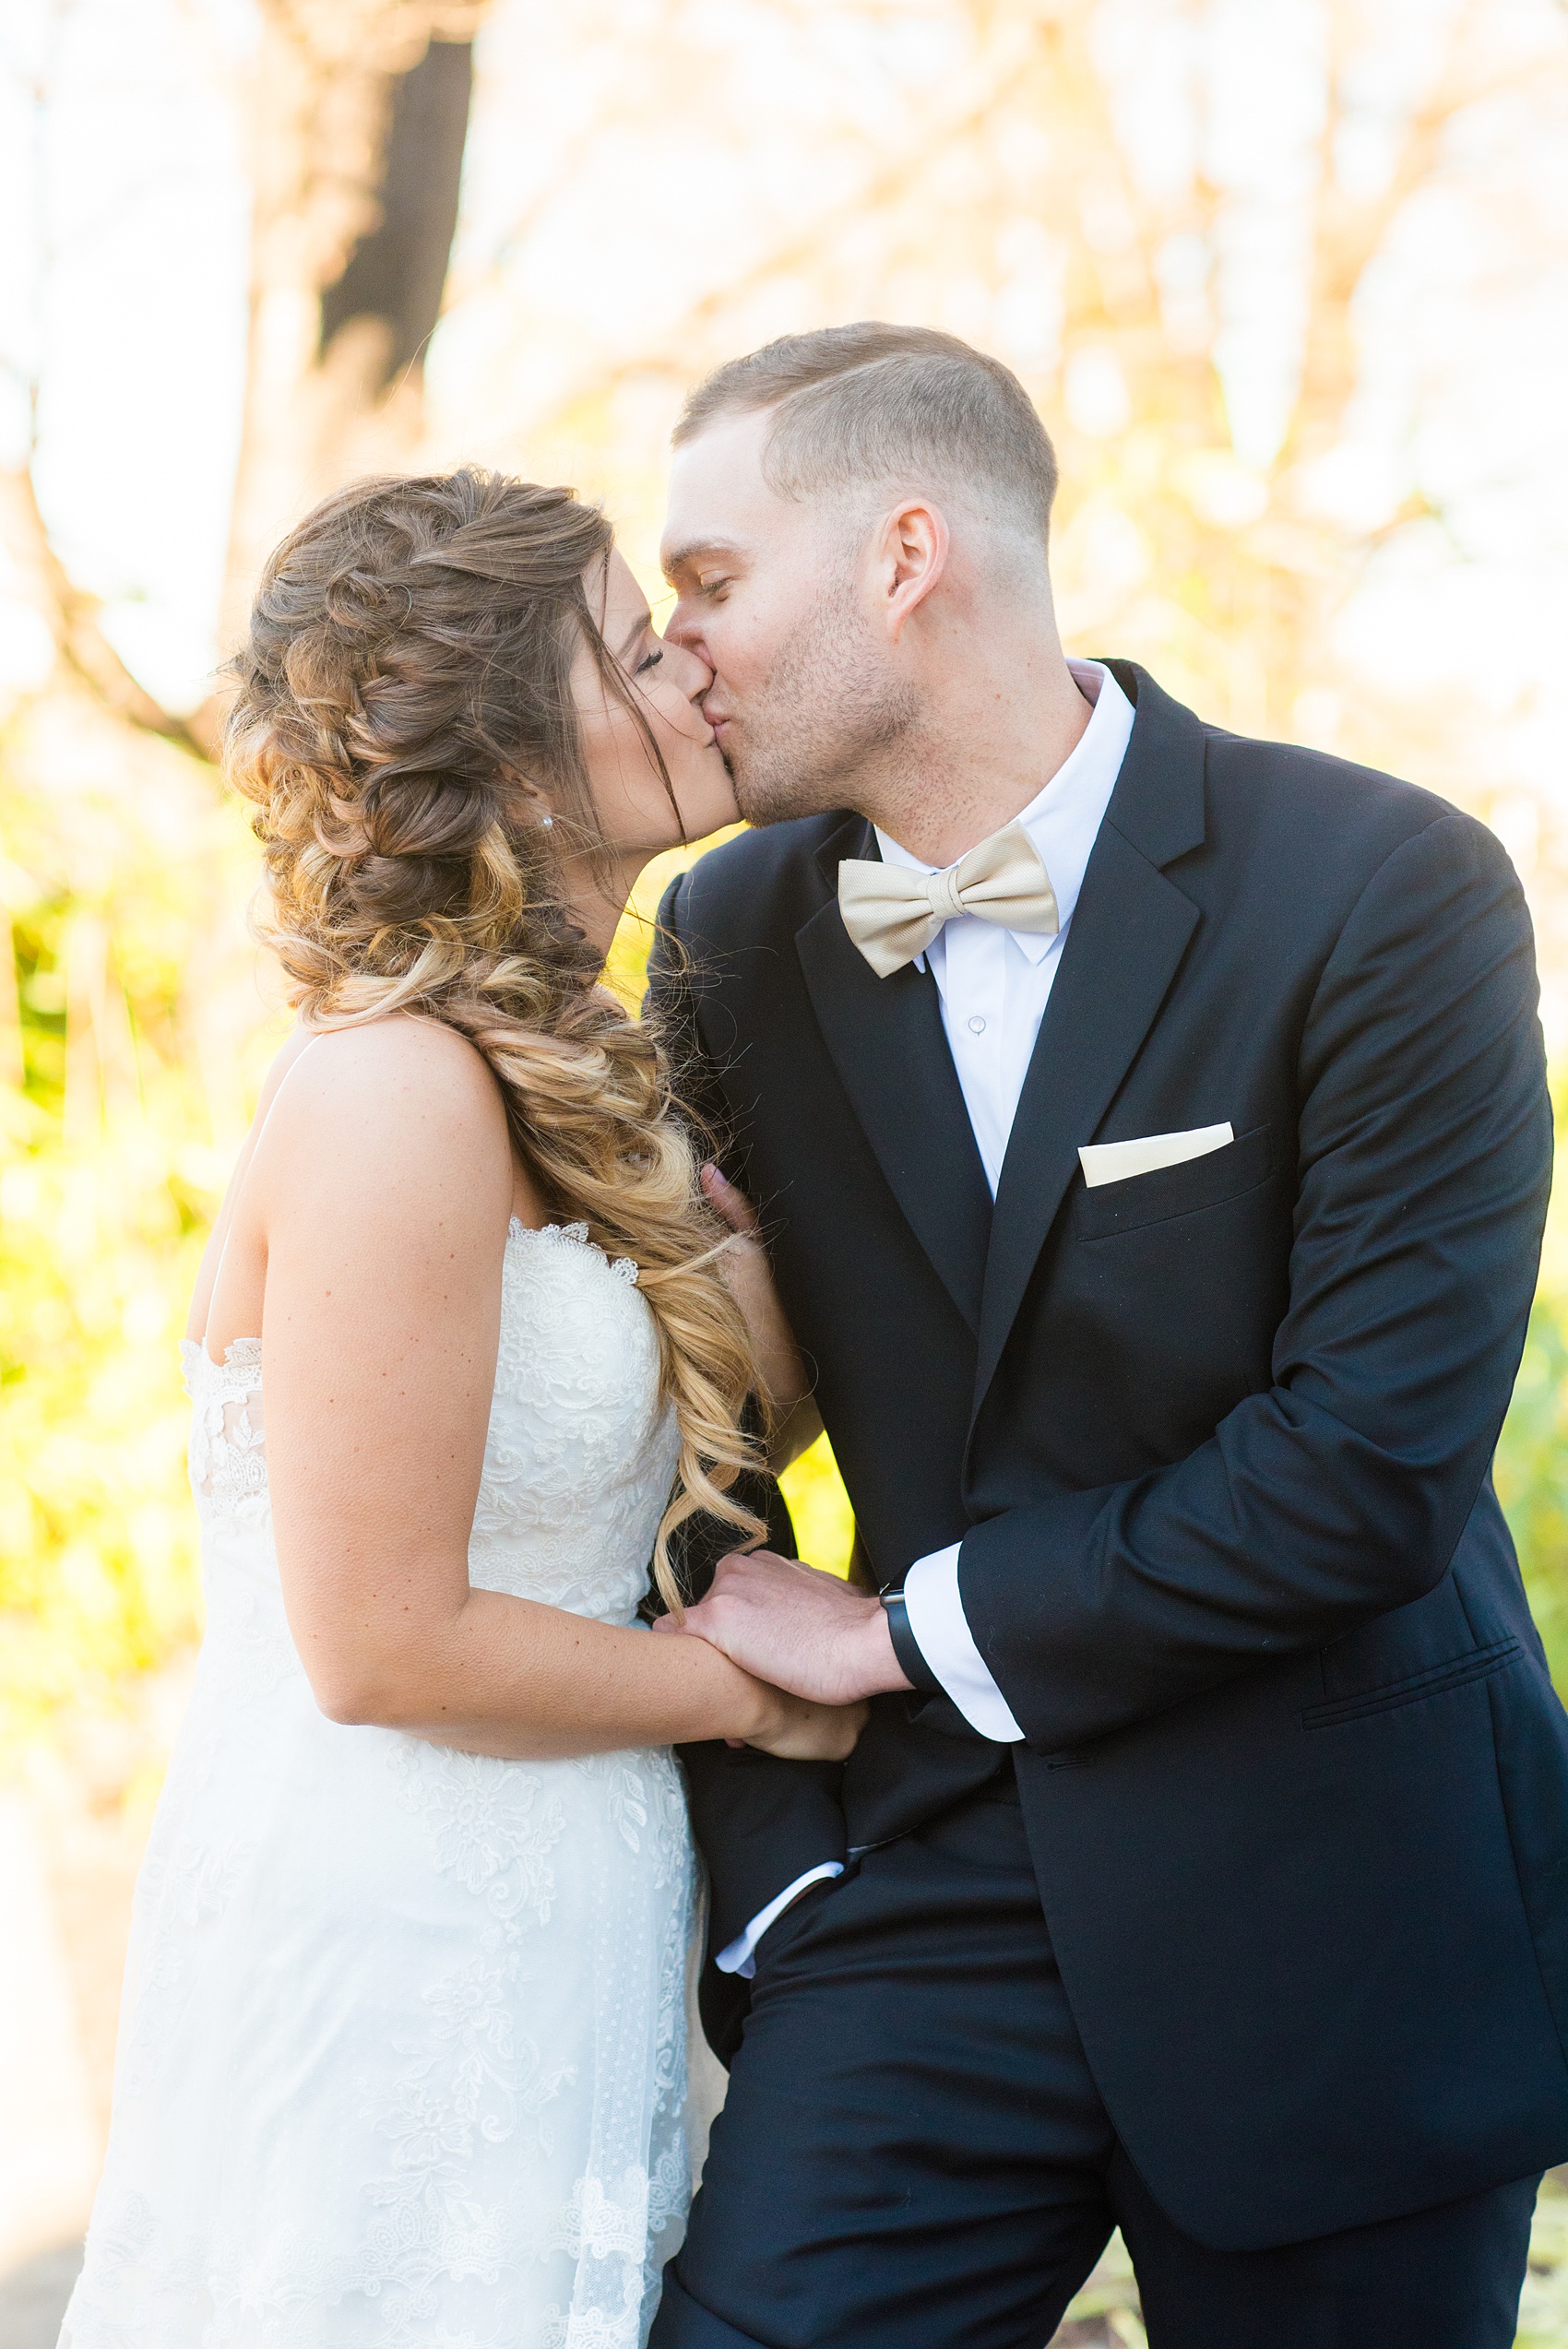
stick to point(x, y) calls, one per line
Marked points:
point(384, 1188)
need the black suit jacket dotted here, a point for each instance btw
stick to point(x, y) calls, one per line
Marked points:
point(1217, 1442)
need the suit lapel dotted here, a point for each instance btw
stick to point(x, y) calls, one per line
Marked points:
point(1129, 932)
point(887, 1045)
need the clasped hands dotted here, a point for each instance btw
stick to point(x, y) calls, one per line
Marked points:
point(791, 1625)
point(795, 1626)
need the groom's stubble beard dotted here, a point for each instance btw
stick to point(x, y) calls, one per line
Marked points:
point(826, 714)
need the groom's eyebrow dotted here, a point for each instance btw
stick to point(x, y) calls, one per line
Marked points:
point(681, 558)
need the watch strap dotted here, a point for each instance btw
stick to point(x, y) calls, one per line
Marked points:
point(907, 1648)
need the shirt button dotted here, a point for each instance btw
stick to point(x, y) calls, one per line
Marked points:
point(977, 1026)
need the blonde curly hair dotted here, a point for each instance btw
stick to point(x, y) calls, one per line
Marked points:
point(407, 661)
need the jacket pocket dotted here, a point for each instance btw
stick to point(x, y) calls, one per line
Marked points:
point(1205, 1181)
point(1480, 1665)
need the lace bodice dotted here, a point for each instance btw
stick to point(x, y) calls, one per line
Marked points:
point(580, 1455)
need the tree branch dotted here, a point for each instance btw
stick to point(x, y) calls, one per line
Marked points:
point(71, 615)
point(1351, 232)
point(968, 112)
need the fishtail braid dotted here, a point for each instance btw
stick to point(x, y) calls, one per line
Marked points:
point(408, 657)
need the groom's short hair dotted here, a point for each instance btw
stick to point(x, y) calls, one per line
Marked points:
point(871, 403)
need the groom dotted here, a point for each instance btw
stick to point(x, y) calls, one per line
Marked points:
point(1151, 1131)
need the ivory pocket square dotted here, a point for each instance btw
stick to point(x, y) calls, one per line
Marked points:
point(1115, 1161)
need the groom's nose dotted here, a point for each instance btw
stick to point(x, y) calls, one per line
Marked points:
point(685, 627)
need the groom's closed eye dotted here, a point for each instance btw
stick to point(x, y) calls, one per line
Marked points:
point(697, 561)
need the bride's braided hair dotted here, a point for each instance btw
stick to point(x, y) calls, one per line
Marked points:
point(407, 657)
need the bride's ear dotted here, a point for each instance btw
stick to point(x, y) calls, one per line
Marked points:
point(533, 803)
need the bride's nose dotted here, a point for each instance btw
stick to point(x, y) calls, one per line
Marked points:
point(687, 669)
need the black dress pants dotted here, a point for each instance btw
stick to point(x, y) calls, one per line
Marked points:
point(913, 2156)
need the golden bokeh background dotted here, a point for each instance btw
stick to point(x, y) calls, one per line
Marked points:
point(1289, 280)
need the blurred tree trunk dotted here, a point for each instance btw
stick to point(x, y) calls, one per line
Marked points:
point(358, 117)
point(395, 276)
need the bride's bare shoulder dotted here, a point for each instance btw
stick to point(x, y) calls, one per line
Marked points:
point(402, 1091)
point(403, 1046)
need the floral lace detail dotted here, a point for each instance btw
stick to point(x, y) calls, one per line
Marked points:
point(193, 1890)
point(403, 2053)
point(578, 1432)
point(623, 1267)
point(228, 1449)
point(487, 1825)
point(645, 1802)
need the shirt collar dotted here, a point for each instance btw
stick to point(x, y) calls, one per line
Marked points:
point(1065, 817)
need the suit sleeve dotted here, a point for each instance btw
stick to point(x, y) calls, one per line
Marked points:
point(1342, 1492)
point(759, 1823)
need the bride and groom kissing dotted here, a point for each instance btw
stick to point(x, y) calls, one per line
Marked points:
point(1132, 1143)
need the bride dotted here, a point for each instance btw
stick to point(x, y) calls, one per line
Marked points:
point(402, 2055)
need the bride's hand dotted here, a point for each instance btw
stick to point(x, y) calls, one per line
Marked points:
point(796, 1422)
point(797, 1729)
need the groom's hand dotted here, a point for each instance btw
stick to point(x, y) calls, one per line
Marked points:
point(798, 1627)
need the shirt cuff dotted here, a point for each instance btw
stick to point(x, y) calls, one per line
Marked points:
point(942, 1631)
point(739, 1956)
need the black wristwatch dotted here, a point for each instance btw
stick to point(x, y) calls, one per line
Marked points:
point(907, 1648)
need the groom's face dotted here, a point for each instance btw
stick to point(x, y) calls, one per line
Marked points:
point(774, 594)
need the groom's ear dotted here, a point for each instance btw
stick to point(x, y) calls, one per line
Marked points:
point(909, 557)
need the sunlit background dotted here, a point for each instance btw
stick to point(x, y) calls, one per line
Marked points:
point(1289, 279)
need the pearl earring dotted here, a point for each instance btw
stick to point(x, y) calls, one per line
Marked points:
point(547, 823)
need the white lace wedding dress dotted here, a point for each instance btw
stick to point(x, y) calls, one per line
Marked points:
point(402, 2056)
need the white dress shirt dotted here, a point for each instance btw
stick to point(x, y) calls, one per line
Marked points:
point(994, 986)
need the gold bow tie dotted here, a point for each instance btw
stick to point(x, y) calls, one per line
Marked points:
point(893, 914)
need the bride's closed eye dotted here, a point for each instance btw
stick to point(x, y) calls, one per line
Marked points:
point(650, 660)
